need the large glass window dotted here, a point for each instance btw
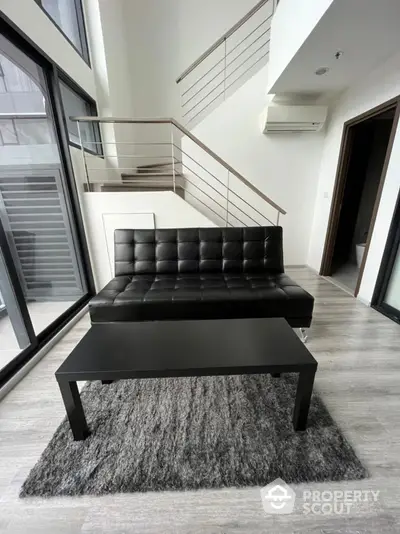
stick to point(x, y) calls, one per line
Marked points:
point(35, 209)
point(68, 15)
point(28, 131)
point(8, 133)
point(392, 296)
point(13, 334)
point(75, 105)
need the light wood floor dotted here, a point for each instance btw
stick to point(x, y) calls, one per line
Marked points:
point(358, 377)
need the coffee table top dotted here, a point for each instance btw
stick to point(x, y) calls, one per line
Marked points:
point(186, 348)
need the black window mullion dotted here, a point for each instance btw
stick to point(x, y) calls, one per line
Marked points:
point(16, 285)
point(386, 268)
point(62, 130)
point(82, 31)
point(84, 53)
point(90, 110)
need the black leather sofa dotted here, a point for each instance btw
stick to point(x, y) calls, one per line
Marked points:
point(201, 273)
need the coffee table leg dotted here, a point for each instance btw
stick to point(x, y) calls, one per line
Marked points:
point(303, 397)
point(73, 406)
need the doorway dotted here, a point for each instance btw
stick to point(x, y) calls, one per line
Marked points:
point(365, 152)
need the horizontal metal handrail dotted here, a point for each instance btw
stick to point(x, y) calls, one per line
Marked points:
point(225, 89)
point(226, 78)
point(211, 209)
point(127, 183)
point(226, 57)
point(221, 40)
point(211, 72)
point(224, 70)
point(223, 185)
point(213, 188)
point(228, 167)
point(187, 133)
point(122, 120)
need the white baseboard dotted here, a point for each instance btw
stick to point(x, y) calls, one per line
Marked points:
point(364, 301)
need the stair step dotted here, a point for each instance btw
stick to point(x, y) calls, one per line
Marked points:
point(141, 175)
point(149, 169)
point(132, 187)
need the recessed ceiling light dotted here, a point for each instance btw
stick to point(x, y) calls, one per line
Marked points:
point(321, 71)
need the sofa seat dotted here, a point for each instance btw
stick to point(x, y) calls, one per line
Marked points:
point(144, 297)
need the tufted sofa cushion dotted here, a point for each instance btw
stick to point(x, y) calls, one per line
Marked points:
point(192, 250)
point(205, 273)
point(145, 297)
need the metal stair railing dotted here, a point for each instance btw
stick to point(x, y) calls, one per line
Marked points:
point(170, 157)
point(227, 64)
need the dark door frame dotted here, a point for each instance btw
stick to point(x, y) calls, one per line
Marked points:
point(340, 183)
point(385, 271)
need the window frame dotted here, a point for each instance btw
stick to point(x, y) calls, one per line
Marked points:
point(52, 70)
point(3, 78)
point(72, 86)
point(80, 15)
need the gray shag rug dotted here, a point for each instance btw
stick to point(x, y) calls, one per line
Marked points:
point(192, 433)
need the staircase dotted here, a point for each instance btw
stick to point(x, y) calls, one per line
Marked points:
point(195, 173)
point(170, 158)
point(145, 178)
point(222, 69)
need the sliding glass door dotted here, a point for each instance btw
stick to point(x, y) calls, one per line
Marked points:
point(392, 295)
point(13, 332)
point(387, 292)
point(43, 263)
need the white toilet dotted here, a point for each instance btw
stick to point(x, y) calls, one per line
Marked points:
point(360, 249)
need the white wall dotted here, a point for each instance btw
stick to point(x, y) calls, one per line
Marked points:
point(379, 86)
point(169, 210)
point(153, 45)
point(292, 24)
point(201, 24)
point(28, 16)
point(284, 167)
point(108, 43)
point(164, 38)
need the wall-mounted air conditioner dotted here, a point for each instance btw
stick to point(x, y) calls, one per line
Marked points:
point(285, 119)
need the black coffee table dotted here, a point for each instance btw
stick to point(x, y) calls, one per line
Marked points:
point(115, 351)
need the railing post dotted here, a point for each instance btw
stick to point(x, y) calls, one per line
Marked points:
point(225, 68)
point(227, 201)
point(83, 155)
point(277, 219)
point(173, 157)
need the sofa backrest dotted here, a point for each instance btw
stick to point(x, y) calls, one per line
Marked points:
point(193, 250)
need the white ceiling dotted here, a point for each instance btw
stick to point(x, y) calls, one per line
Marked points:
point(367, 31)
